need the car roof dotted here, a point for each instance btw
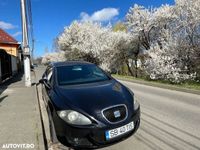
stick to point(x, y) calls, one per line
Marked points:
point(69, 63)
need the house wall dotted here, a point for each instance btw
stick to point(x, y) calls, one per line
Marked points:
point(10, 48)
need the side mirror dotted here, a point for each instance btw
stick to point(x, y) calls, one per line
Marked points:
point(45, 82)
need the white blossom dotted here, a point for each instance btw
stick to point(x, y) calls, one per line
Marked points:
point(53, 57)
point(89, 37)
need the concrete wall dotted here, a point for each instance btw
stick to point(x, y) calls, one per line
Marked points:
point(14, 64)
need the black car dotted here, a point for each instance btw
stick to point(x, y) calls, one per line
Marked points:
point(90, 109)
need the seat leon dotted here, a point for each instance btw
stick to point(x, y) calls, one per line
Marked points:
point(89, 108)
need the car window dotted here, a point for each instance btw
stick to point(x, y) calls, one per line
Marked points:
point(97, 72)
point(80, 74)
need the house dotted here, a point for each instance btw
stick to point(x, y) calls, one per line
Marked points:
point(9, 55)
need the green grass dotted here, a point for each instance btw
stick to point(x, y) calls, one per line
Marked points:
point(187, 85)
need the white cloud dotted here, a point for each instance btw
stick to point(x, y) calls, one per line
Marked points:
point(6, 26)
point(17, 34)
point(105, 14)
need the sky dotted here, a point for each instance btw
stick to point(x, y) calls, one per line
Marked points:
point(51, 16)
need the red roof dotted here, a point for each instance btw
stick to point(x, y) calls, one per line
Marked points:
point(6, 38)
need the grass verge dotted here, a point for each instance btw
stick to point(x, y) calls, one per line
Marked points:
point(192, 87)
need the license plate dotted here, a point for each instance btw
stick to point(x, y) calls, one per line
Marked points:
point(119, 131)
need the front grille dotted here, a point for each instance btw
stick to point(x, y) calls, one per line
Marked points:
point(115, 114)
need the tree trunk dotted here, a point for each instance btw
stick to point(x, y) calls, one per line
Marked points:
point(129, 69)
point(136, 68)
point(136, 60)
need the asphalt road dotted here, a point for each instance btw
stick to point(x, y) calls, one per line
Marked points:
point(170, 120)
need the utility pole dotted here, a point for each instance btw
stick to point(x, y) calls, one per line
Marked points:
point(25, 46)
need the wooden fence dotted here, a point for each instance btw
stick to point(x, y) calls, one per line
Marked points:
point(8, 65)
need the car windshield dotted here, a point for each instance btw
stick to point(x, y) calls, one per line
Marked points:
point(80, 74)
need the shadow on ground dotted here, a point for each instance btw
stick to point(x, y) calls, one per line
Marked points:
point(6, 84)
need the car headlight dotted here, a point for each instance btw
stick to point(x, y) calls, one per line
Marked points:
point(74, 117)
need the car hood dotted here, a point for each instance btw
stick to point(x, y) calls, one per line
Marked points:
point(92, 98)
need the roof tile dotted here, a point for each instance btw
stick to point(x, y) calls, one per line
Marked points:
point(6, 38)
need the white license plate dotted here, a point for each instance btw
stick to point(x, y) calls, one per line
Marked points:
point(119, 131)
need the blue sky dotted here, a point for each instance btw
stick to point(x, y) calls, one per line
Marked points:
point(51, 16)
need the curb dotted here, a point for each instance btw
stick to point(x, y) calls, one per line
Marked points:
point(169, 87)
point(40, 135)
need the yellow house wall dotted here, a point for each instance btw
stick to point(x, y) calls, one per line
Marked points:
point(10, 49)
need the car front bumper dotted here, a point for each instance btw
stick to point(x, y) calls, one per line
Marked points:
point(93, 136)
